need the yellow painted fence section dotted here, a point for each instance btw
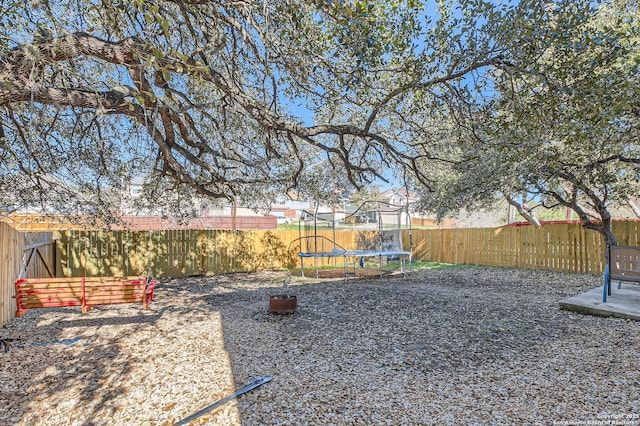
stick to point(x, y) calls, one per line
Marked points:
point(189, 252)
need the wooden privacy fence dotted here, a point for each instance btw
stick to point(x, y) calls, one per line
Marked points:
point(172, 253)
point(12, 254)
point(185, 252)
point(558, 247)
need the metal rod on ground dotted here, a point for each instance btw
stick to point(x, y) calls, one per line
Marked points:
point(257, 381)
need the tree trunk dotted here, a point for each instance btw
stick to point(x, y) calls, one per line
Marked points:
point(604, 228)
point(607, 233)
point(527, 214)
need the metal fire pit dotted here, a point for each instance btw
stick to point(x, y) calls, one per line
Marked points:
point(283, 303)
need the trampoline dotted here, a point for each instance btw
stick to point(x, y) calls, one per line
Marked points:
point(371, 233)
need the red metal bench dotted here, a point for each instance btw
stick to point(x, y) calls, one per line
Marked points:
point(81, 291)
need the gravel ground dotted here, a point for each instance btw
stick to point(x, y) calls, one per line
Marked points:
point(455, 346)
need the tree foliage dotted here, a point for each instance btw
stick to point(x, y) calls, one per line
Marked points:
point(467, 99)
point(562, 127)
point(198, 95)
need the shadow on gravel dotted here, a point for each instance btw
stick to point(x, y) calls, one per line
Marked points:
point(392, 350)
point(94, 322)
point(59, 351)
point(494, 334)
point(43, 361)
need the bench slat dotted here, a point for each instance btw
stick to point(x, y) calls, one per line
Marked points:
point(119, 284)
point(107, 300)
point(51, 304)
point(48, 290)
point(52, 287)
point(106, 295)
point(58, 296)
point(38, 295)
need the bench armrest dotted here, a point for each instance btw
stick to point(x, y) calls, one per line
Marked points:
point(151, 285)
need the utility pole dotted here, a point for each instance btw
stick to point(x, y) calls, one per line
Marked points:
point(234, 213)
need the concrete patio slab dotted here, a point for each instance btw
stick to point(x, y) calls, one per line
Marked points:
point(623, 302)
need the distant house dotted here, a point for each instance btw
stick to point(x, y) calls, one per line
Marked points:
point(205, 215)
point(398, 197)
point(289, 205)
point(324, 213)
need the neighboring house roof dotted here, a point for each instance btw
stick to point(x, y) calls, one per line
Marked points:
point(401, 193)
point(294, 196)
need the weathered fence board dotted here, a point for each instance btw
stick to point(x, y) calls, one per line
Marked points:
point(12, 256)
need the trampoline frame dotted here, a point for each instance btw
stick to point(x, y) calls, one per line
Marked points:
point(361, 254)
